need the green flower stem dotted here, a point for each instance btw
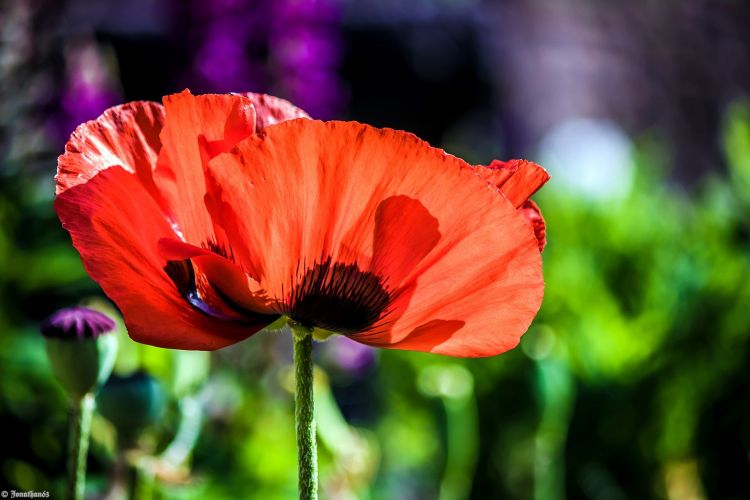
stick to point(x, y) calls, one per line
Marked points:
point(556, 392)
point(145, 481)
point(304, 413)
point(82, 410)
point(189, 429)
point(462, 425)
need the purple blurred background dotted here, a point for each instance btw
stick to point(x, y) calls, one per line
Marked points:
point(490, 78)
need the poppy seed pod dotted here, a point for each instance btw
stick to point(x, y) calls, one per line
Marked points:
point(132, 403)
point(80, 348)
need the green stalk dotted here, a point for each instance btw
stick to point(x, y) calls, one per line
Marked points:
point(556, 390)
point(78, 445)
point(189, 429)
point(461, 447)
point(145, 481)
point(304, 413)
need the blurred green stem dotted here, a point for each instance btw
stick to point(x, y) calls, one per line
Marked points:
point(144, 481)
point(304, 413)
point(81, 412)
point(555, 388)
point(191, 418)
point(463, 436)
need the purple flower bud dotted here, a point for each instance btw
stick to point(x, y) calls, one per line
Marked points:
point(77, 323)
point(80, 354)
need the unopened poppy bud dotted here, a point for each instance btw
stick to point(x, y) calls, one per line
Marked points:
point(132, 403)
point(80, 348)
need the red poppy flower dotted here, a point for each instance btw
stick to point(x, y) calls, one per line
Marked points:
point(207, 218)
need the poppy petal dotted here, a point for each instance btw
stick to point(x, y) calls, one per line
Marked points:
point(197, 128)
point(270, 110)
point(488, 280)
point(458, 312)
point(224, 275)
point(115, 225)
point(533, 215)
point(516, 179)
point(405, 233)
point(126, 136)
point(306, 191)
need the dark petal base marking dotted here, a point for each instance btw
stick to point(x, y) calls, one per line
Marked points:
point(225, 251)
point(337, 297)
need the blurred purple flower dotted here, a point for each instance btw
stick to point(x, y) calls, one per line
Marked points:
point(305, 47)
point(346, 355)
point(287, 47)
point(222, 64)
point(307, 11)
point(89, 87)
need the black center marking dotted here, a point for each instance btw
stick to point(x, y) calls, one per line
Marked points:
point(338, 297)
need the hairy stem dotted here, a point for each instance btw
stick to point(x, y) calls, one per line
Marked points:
point(78, 445)
point(304, 414)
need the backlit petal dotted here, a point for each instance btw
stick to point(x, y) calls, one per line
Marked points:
point(516, 179)
point(533, 215)
point(126, 136)
point(309, 190)
point(222, 273)
point(270, 110)
point(196, 129)
point(115, 226)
